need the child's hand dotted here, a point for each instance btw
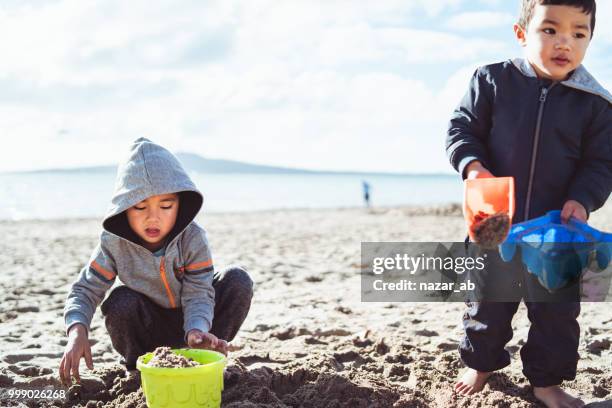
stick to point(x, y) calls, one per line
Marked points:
point(199, 339)
point(77, 347)
point(476, 170)
point(574, 209)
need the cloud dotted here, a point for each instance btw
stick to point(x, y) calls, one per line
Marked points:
point(603, 30)
point(479, 20)
point(330, 84)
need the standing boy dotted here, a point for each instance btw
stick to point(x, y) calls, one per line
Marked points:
point(545, 121)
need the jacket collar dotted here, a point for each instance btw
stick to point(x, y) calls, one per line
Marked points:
point(581, 79)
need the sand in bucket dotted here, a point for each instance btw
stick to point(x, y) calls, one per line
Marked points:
point(164, 357)
point(488, 208)
point(490, 230)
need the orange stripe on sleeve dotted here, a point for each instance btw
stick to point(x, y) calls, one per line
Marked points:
point(106, 273)
point(200, 265)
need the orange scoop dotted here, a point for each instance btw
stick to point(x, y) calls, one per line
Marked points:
point(487, 196)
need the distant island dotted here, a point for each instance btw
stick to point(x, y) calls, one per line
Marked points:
point(197, 163)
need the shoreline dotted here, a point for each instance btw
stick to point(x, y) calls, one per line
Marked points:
point(451, 208)
point(443, 209)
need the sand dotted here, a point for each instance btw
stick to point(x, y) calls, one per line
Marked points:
point(490, 230)
point(164, 357)
point(308, 340)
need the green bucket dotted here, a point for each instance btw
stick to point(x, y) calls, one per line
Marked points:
point(188, 387)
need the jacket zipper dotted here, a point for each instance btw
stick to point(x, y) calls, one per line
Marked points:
point(543, 94)
point(162, 272)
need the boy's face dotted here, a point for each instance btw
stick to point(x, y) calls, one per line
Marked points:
point(556, 40)
point(153, 218)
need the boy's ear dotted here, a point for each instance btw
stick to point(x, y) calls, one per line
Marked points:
point(519, 32)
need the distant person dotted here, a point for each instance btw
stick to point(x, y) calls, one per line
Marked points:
point(545, 121)
point(366, 193)
point(169, 294)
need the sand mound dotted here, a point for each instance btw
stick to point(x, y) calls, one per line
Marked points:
point(362, 371)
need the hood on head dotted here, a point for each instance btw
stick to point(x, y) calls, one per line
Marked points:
point(149, 170)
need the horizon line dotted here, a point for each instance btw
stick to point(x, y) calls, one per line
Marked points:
point(278, 168)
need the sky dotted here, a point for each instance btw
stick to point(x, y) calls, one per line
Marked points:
point(328, 84)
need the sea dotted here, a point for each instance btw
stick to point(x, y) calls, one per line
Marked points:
point(77, 194)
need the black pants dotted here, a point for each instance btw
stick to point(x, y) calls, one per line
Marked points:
point(550, 354)
point(137, 325)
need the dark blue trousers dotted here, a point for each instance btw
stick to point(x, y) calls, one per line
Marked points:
point(137, 325)
point(550, 354)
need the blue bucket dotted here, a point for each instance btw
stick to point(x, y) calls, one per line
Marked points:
point(557, 253)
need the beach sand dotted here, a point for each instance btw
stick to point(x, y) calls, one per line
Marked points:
point(308, 340)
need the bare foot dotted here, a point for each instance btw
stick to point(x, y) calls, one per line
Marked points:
point(471, 381)
point(555, 397)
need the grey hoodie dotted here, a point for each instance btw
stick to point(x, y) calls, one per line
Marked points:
point(180, 278)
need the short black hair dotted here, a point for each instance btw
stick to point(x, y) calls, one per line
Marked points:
point(527, 6)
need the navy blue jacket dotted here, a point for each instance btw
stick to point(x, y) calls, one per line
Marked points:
point(555, 139)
